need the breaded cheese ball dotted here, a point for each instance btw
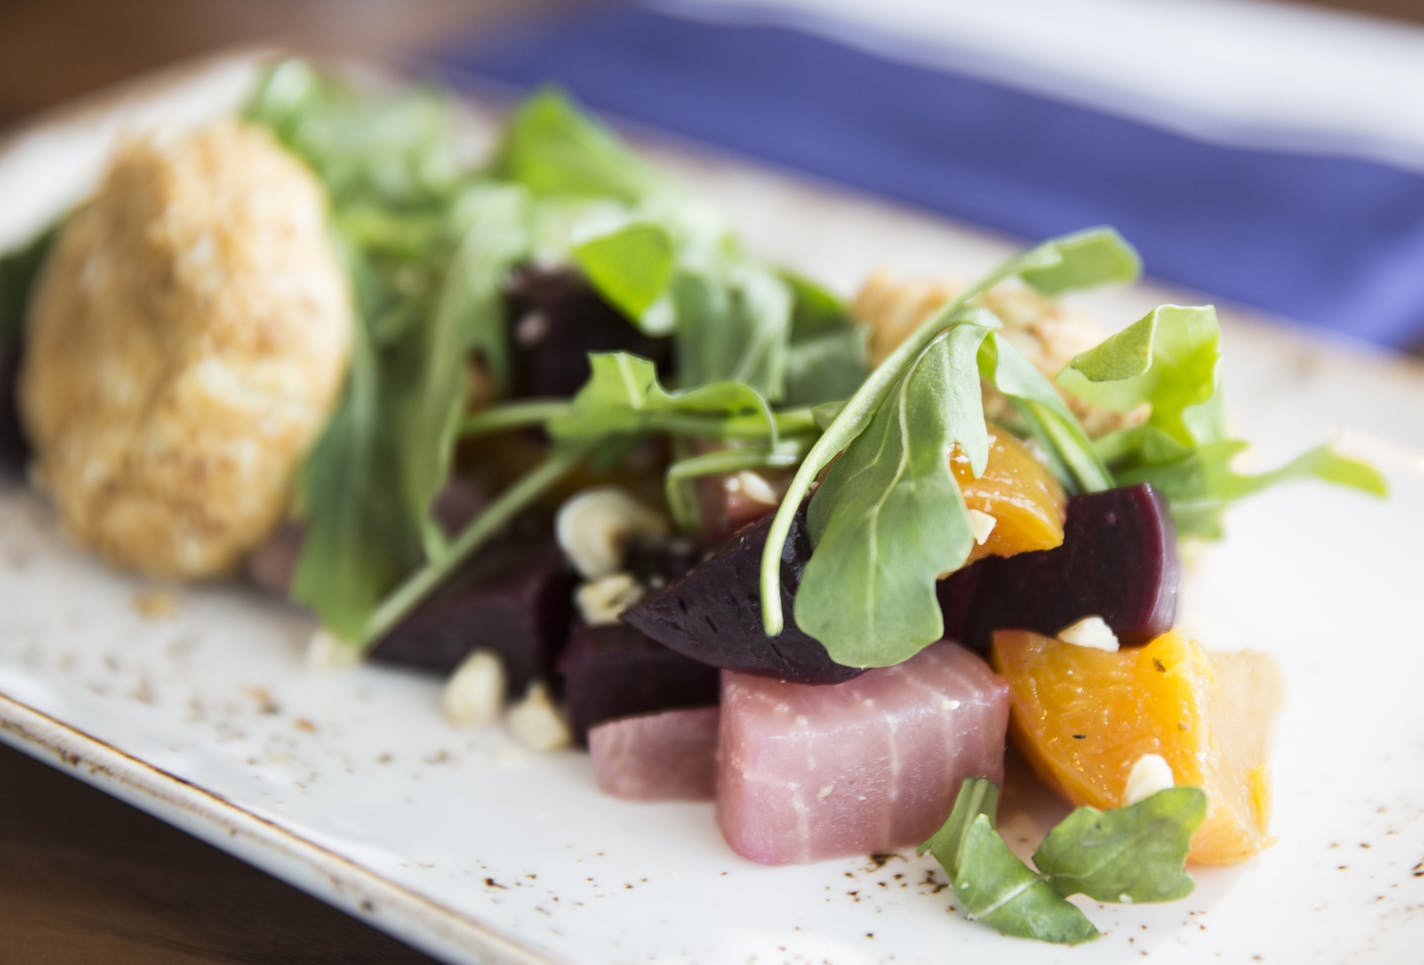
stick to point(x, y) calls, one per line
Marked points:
point(186, 343)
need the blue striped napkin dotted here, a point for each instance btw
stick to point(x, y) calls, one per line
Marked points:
point(1258, 153)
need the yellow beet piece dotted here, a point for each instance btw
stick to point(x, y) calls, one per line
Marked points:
point(1027, 503)
point(1083, 717)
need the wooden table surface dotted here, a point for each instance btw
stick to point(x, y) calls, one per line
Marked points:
point(83, 877)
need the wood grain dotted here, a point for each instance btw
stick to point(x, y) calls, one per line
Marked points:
point(85, 878)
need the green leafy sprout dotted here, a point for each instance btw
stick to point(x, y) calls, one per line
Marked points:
point(1131, 854)
point(770, 368)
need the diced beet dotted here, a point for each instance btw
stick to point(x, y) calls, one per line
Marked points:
point(713, 614)
point(513, 598)
point(614, 671)
point(872, 764)
point(1118, 561)
point(657, 562)
point(728, 501)
point(14, 447)
point(556, 319)
point(667, 756)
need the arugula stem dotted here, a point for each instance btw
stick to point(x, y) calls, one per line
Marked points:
point(515, 415)
point(404, 598)
point(854, 416)
point(736, 427)
point(539, 412)
point(684, 508)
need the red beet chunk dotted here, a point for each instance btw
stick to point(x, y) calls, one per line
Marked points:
point(1118, 561)
point(667, 756)
point(713, 614)
point(513, 598)
point(614, 671)
point(555, 319)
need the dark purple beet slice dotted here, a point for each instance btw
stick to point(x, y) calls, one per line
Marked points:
point(555, 319)
point(1118, 561)
point(713, 614)
point(14, 448)
point(615, 671)
point(513, 598)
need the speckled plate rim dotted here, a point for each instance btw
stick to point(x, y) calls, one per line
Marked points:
point(399, 911)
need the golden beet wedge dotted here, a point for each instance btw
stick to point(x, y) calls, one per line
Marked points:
point(1027, 503)
point(1083, 717)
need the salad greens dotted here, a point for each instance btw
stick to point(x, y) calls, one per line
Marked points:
point(766, 363)
point(430, 238)
point(867, 593)
point(394, 179)
point(1167, 362)
point(1131, 854)
point(846, 583)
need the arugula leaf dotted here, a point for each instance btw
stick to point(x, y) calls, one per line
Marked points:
point(1201, 485)
point(991, 883)
point(827, 358)
point(889, 516)
point(359, 538)
point(1132, 854)
point(733, 323)
point(396, 148)
point(977, 795)
point(496, 238)
point(1064, 442)
point(630, 266)
point(1077, 260)
point(426, 249)
point(1136, 853)
point(624, 398)
point(1091, 257)
point(995, 887)
point(552, 148)
point(1168, 362)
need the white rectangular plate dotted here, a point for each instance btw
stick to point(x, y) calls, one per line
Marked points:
point(350, 785)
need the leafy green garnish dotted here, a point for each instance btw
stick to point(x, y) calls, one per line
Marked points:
point(426, 248)
point(630, 266)
point(869, 597)
point(1167, 361)
point(624, 398)
point(826, 360)
point(552, 148)
point(672, 266)
point(889, 517)
point(372, 147)
point(1132, 854)
point(733, 324)
point(1137, 853)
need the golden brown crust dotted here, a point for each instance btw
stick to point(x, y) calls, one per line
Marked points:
point(186, 343)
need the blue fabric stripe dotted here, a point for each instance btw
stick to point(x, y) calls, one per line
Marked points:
point(1332, 241)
